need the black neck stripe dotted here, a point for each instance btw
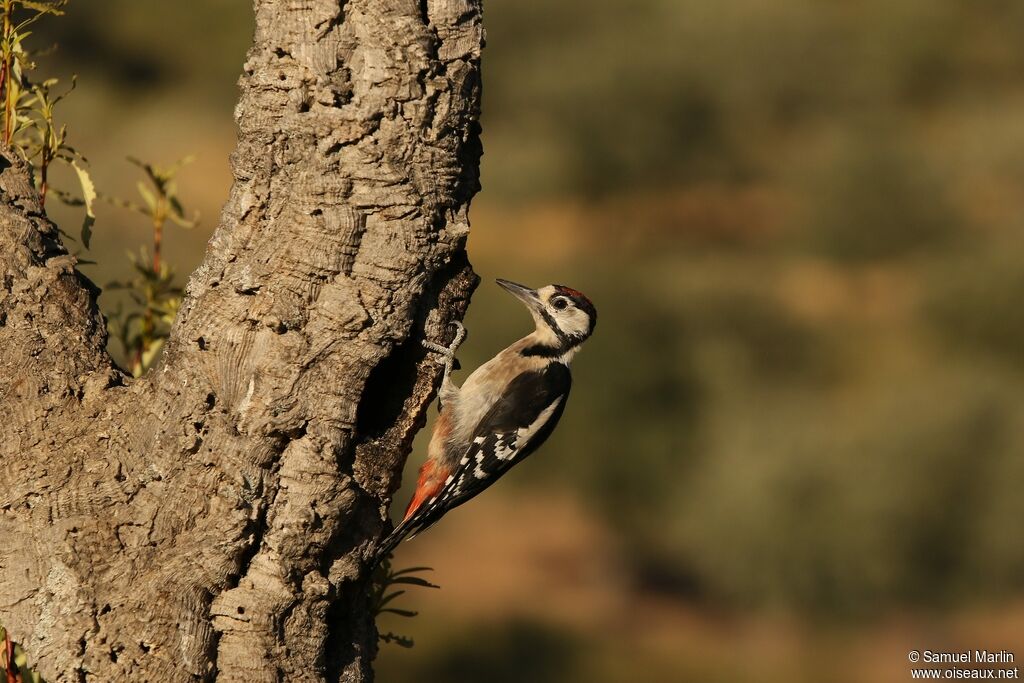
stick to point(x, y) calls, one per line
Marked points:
point(542, 351)
point(545, 351)
point(562, 336)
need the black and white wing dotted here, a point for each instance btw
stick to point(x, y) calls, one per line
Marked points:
point(519, 422)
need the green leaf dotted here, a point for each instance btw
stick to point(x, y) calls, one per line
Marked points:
point(147, 196)
point(178, 214)
point(89, 198)
point(412, 570)
point(401, 641)
point(389, 598)
point(73, 152)
point(184, 161)
point(43, 7)
point(148, 168)
point(414, 581)
point(54, 81)
point(66, 198)
point(87, 224)
point(123, 204)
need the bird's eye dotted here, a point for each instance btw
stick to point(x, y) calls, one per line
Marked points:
point(560, 303)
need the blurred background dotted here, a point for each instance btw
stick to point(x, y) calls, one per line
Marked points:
point(795, 449)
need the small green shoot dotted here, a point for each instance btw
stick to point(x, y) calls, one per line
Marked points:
point(28, 123)
point(43, 142)
point(142, 332)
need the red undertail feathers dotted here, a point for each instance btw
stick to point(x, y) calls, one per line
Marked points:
point(430, 482)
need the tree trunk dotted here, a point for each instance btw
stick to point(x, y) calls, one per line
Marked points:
point(212, 520)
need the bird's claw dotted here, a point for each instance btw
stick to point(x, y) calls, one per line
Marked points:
point(448, 351)
point(460, 335)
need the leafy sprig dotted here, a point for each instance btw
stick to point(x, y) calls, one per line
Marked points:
point(28, 123)
point(383, 595)
point(143, 331)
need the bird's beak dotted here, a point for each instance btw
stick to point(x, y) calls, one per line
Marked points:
point(525, 294)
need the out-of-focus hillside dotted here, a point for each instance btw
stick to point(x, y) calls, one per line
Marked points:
point(796, 441)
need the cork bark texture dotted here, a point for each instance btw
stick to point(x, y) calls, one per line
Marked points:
point(212, 520)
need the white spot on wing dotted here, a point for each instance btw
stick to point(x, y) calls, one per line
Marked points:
point(524, 434)
point(506, 451)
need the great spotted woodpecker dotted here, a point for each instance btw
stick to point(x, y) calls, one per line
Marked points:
point(503, 411)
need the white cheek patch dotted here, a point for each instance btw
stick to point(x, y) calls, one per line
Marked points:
point(578, 322)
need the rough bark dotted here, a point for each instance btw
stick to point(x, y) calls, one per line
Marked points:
point(212, 520)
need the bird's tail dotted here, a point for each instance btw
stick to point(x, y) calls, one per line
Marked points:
point(420, 514)
point(388, 545)
point(406, 530)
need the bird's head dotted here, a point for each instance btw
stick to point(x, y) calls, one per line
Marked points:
point(564, 316)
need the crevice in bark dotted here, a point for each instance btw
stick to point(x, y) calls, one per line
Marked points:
point(255, 530)
point(350, 641)
point(390, 382)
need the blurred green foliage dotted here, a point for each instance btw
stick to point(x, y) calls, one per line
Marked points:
point(975, 304)
point(756, 459)
point(875, 202)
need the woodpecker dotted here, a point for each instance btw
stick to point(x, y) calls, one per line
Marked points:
point(504, 410)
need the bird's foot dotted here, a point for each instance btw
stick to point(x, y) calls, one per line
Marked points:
point(448, 352)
